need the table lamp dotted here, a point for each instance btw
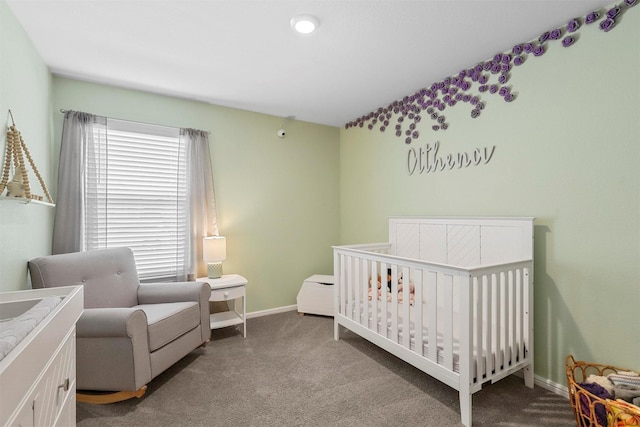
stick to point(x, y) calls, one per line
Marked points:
point(214, 251)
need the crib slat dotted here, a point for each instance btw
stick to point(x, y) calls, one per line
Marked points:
point(374, 298)
point(447, 320)
point(384, 316)
point(512, 317)
point(418, 307)
point(520, 311)
point(366, 283)
point(502, 323)
point(406, 305)
point(343, 284)
point(356, 289)
point(486, 325)
point(477, 327)
point(506, 315)
point(336, 294)
point(528, 315)
point(393, 333)
point(364, 291)
point(432, 310)
point(349, 293)
point(496, 320)
point(488, 282)
point(518, 306)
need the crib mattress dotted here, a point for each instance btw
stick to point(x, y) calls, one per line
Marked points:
point(509, 356)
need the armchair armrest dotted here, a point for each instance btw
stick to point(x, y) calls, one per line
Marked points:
point(116, 341)
point(158, 293)
point(111, 322)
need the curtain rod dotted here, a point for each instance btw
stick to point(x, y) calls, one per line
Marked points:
point(63, 111)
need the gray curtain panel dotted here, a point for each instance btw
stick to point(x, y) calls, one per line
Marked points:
point(78, 145)
point(82, 157)
point(202, 205)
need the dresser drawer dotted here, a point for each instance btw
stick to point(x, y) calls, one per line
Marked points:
point(48, 403)
point(57, 387)
point(225, 294)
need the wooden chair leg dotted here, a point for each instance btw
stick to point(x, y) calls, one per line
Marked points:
point(98, 398)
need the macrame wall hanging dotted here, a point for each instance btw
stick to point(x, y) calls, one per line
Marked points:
point(19, 187)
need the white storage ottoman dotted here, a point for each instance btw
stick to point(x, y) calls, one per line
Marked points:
point(316, 295)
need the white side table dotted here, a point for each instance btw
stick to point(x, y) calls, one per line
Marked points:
point(228, 287)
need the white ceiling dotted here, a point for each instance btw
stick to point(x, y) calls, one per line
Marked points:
point(243, 53)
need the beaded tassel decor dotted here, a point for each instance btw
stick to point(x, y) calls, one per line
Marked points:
point(19, 186)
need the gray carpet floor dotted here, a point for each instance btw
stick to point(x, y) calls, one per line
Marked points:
point(290, 372)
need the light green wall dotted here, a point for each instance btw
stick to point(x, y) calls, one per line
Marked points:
point(277, 199)
point(25, 85)
point(568, 153)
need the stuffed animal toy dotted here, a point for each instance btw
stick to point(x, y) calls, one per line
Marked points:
point(412, 289)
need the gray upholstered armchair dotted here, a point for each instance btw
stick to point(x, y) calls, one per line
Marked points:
point(129, 332)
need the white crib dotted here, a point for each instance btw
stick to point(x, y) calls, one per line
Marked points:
point(466, 282)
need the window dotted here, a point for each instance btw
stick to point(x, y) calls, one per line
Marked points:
point(136, 196)
point(147, 187)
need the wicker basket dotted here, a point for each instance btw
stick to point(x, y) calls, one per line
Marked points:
point(591, 410)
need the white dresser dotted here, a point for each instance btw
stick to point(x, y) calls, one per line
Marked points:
point(38, 376)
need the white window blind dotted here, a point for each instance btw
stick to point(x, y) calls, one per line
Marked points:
point(136, 196)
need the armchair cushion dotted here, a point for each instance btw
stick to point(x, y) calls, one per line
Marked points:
point(168, 321)
point(109, 276)
point(155, 293)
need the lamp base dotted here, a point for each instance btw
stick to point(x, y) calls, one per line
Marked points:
point(214, 270)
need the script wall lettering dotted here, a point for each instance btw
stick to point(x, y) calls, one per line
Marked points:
point(426, 159)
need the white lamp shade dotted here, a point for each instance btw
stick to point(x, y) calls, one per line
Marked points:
point(214, 249)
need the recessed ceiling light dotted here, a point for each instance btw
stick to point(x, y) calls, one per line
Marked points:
point(304, 24)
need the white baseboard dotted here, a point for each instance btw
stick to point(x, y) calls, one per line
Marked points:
point(553, 387)
point(547, 384)
point(272, 311)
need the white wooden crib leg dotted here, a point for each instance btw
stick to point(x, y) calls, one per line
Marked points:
point(336, 330)
point(528, 375)
point(465, 408)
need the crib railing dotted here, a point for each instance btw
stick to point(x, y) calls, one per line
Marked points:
point(464, 326)
point(501, 325)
